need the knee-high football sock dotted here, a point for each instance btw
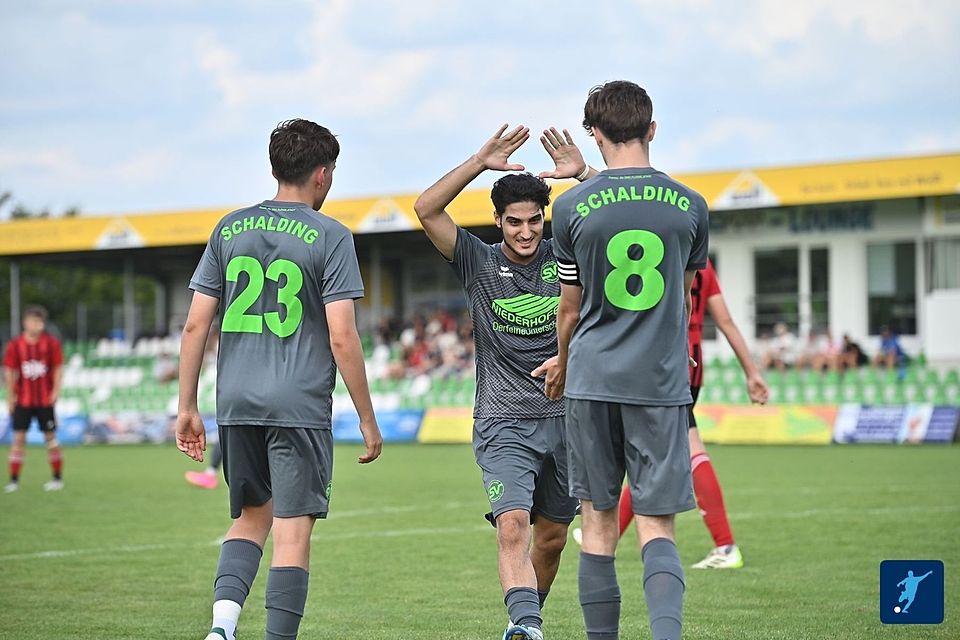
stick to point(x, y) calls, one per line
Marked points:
point(286, 597)
point(706, 488)
point(663, 588)
point(239, 561)
point(599, 596)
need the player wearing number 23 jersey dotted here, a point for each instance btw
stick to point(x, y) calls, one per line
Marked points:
point(267, 263)
point(628, 236)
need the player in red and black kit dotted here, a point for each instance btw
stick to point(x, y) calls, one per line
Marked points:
point(33, 365)
point(706, 296)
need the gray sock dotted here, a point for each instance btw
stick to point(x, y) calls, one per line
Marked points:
point(523, 606)
point(239, 561)
point(599, 596)
point(543, 597)
point(663, 588)
point(286, 597)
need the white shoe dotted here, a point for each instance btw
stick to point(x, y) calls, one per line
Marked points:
point(578, 536)
point(727, 557)
point(521, 632)
point(53, 485)
point(11, 487)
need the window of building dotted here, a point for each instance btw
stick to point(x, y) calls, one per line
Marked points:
point(892, 287)
point(820, 288)
point(776, 283)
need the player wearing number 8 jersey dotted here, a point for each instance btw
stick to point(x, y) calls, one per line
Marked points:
point(628, 241)
point(285, 277)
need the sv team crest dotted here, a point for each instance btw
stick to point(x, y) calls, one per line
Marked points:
point(548, 272)
point(495, 491)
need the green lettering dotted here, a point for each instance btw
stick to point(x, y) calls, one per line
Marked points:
point(622, 194)
point(298, 229)
point(310, 236)
point(283, 224)
point(594, 201)
point(633, 193)
point(683, 203)
point(225, 232)
point(237, 227)
point(659, 194)
point(649, 192)
point(261, 223)
point(271, 224)
point(248, 223)
point(671, 196)
point(607, 196)
point(583, 209)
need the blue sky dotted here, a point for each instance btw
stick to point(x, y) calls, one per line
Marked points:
point(133, 106)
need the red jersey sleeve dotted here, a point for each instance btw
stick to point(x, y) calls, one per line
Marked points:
point(56, 353)
point(711, 285)
point(10, 358)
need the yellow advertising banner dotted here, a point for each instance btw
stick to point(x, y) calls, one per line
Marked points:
point(772, 424)
point(447, 425)
point(724, 190)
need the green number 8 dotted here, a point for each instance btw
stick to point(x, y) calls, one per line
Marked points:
point(651, 280)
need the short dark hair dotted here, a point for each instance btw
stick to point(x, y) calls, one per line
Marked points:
point(519, 187)
point(35, 311)
point(621, 109)
point(298, 147)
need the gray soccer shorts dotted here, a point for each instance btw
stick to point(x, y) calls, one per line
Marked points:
point(649, 444)
point(524, 464)
point(292, 466)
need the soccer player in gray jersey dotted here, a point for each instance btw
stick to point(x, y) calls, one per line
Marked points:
point(629, 242)
point(513, 289)
point(285, 277)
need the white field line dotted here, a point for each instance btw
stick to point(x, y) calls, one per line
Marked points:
point(321, 537)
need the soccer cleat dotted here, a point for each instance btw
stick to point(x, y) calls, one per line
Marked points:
point(201, 479)
point(578, 536)
point(53, 485)
point(521, 632)
point(216, 634)
point(11, 487)
point(727, 557)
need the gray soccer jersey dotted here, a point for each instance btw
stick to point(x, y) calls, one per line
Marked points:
point(628, 236)
point(274, 267)
point(514, 311)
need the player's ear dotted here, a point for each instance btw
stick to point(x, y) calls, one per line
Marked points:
point(498, 220)
point(652, 131)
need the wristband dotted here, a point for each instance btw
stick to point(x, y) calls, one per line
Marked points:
point(580, 177)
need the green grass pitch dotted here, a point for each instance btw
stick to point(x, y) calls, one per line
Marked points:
point(128, 549)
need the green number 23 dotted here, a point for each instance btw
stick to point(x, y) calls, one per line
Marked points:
point(652, 285)
point(237, 320)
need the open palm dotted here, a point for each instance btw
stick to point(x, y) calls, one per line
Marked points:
point(495, 153)
point(565, 154)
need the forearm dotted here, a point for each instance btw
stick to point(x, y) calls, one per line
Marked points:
point(192, 343)
point(435, 199)
point(57, 380)
point(739, 345)
point(566, 323)
point(348, 354)
point(11, 379)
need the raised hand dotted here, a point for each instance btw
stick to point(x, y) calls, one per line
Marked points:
point(495, 153)
point(565, 154)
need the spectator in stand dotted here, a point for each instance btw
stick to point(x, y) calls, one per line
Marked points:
point(891, 355)
point(164, 368)
point(782, 352)
point(851, 355)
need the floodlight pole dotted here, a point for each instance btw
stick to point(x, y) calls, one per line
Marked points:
point(129, 310)
point(14, 297)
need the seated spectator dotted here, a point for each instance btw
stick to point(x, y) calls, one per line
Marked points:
point(817, 352)
point(782, 350)
point(851, 355)
point(891, 354)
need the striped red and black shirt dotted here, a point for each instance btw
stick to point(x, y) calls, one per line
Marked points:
point(705, 286)
point(34, 363)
